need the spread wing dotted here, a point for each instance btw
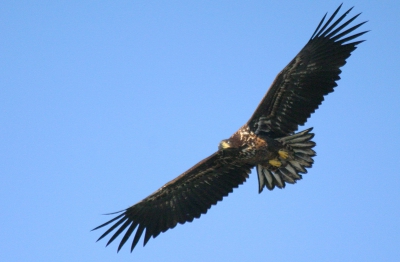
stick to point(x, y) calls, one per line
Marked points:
point(180, 200)
point(300, 87)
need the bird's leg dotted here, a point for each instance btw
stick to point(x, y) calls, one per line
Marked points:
point(275, 162)
point(283, 154)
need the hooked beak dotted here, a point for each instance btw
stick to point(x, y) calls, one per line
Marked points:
point(223, 145)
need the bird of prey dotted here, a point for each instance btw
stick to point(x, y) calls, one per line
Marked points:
point(267, 141)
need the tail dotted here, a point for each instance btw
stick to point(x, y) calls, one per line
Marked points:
point(299, 148)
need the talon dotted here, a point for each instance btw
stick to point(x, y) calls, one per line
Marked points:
point(275, 162)
point(283, 154)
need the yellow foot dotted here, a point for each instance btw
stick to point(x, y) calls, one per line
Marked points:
point(283, 154)
point(275, 162)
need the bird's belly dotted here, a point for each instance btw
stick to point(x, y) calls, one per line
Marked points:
point(258, 155)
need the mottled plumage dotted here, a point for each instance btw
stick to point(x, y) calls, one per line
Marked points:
point(267, 141)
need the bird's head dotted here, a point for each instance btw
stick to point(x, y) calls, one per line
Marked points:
point(224, 144)
point(231, 143)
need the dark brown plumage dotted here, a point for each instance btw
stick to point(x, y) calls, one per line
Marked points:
point(267, 141)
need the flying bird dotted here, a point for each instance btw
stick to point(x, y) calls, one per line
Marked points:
point(267, 141)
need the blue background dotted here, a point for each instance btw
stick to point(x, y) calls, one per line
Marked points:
point(102, 102)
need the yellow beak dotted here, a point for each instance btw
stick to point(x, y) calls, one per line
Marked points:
point(224, 145)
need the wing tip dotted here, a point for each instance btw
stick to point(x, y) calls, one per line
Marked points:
point(325, 30)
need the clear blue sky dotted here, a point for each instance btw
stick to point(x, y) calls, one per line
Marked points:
point(104, 102)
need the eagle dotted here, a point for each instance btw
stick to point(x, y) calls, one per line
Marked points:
point(268, 141)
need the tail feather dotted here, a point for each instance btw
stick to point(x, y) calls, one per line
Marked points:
point(300, 150)
point(298, 167)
